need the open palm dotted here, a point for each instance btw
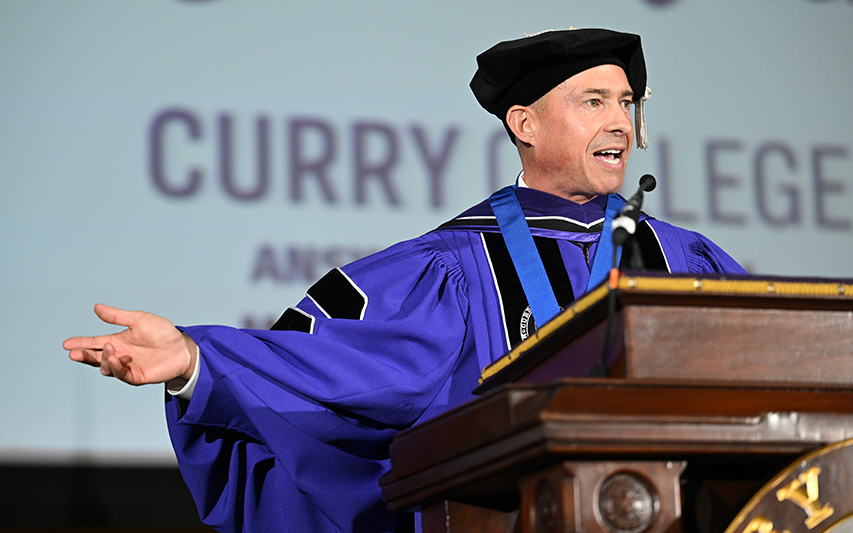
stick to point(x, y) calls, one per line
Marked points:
point(150, 350)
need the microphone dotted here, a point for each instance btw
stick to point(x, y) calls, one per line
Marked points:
point(623, 228)
point(626, 223)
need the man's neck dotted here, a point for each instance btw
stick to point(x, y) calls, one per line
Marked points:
point(577, 198)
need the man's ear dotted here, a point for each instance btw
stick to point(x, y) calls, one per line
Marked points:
point(522, 123)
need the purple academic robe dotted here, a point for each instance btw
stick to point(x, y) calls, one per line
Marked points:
point(288, 429)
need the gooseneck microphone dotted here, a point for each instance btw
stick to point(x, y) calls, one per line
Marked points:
point(626, 223)
point(623, 229)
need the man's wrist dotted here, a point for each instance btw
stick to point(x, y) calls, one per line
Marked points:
point(182, 387)
point(193, 351)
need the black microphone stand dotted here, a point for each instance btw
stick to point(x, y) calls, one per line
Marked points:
point(624, 227)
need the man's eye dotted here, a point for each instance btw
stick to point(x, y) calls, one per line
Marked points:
point(626, 104)
point(593, 103)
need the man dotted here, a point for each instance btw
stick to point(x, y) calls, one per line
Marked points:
point(287, 430)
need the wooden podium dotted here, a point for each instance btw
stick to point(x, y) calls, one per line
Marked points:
point(727, 406)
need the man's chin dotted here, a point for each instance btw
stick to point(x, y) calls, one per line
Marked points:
point(611, 186)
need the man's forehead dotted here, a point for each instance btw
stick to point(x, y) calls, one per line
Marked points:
point(603, 79)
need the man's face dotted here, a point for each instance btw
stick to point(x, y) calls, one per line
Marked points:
point(584, 134)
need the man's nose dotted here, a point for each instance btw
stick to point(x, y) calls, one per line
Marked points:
point(619, 120)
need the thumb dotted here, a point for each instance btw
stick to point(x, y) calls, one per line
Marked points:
point(114, 315)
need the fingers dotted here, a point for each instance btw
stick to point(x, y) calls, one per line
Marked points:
point(87, 357)
point(108, 361)
point(86, 350)
point(105, 364)
point(112, 364)
point(84, 343)
point(108, 314)
point(89, 350)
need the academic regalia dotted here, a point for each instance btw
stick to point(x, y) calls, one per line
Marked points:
point(288, 429)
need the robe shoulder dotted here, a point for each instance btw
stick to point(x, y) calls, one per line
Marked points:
point(691, 252)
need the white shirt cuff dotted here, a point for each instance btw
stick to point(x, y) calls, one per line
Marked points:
point(186, 391)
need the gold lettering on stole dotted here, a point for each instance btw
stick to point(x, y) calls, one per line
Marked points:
point(803, 492)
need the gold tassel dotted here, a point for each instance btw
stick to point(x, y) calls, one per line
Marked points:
point(640, 121)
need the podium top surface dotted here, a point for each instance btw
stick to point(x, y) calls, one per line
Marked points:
point(645, 289)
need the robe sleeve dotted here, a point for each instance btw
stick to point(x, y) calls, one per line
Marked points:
point(288, 430)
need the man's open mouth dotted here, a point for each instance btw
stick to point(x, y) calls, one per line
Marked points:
point(609, 156)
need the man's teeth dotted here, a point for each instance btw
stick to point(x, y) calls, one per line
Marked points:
point(610, 154)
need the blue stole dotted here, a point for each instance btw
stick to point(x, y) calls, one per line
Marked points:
point(526, 260)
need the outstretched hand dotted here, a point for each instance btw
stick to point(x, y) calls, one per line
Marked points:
point(150, 350)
